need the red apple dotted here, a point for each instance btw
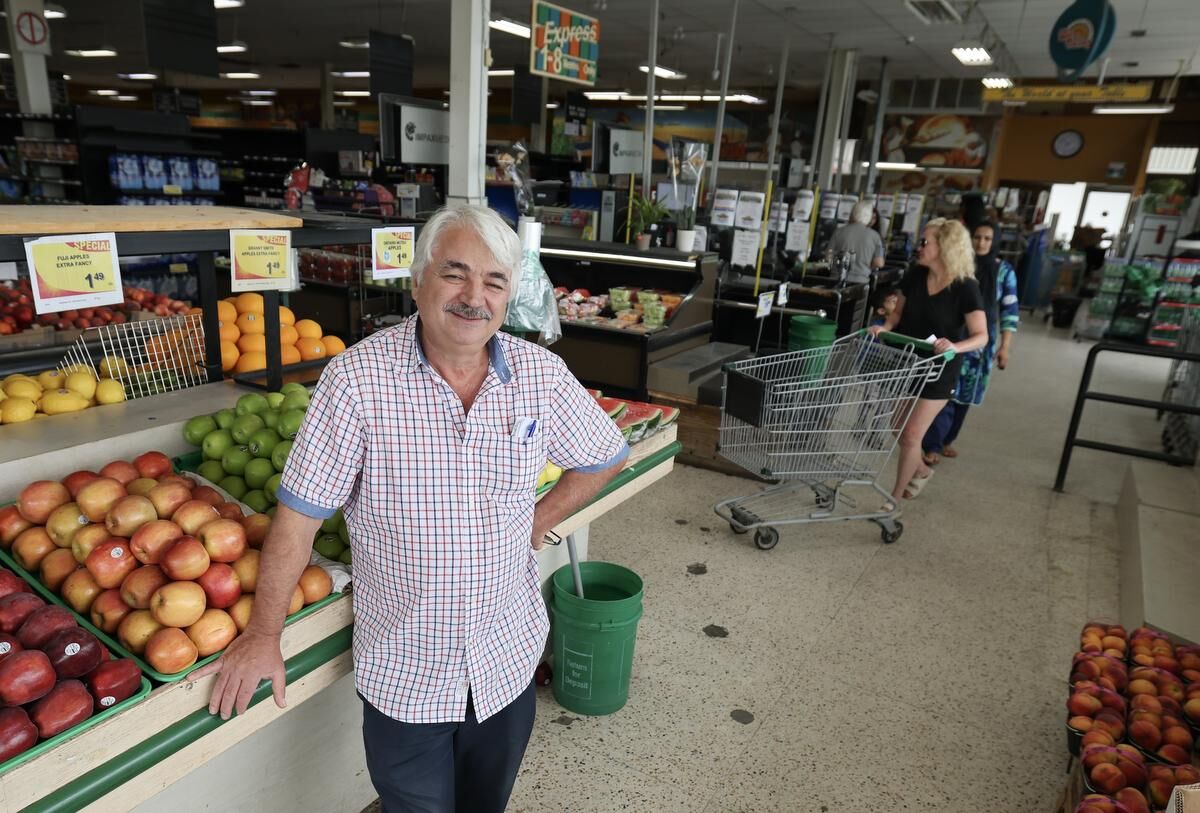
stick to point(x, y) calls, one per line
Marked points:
point(240, 612)
point(114, 681)
point(246, 568)
point(77, 480)
point(209, 495)
point(297, 602)
point(141, 486)
point(178, 604)
point(110, 562)
point(43, 623)
point(170, 650)
point(212, 632)
point(140, 585)
point(65, 521)
point(31, 547)
point(168, 497)
point(128, 514)
point(221, 585)
point(38, 499)
point(256, 526)
point(11, 525)
point(230, 510)
point(74, 652)
point(152, 465)
point(17, 733)
point(56, 566)
point(315, 583)
point(120, 471)
point(65, 706)
point(80, 590)
point(224, 539)
point(25, 677)
point(135, 630)
point(152, 539)
point(97, 497)
point(194, 515)
point(184, 559)
point(15, 608)
point(86, 539)
point(109, 610)
point(182, 479)
point(12, 583)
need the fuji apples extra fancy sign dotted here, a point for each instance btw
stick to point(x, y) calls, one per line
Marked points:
point(564, 44)
point(1081, 36)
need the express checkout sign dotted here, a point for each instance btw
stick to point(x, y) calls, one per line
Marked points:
point(564, 45)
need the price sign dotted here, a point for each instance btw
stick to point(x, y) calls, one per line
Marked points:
point(765, 300)
point(74, 271)
point(392, 251)
point(260, 259)
point(781, 296)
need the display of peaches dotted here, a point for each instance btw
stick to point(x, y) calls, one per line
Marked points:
point(1105, 670)
point(1108, 639)
point(1150, 648)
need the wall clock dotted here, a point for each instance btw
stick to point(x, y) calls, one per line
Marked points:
point(1068, 143)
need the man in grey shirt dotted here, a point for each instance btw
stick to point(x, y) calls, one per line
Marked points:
point(865, 242)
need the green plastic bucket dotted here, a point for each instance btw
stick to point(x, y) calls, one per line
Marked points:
point(807, 332)
point(593, 637)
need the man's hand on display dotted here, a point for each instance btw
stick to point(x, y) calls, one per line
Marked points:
point(251, 657)
point(1002, 358)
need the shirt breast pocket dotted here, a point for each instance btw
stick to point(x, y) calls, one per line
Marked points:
point(510, 465)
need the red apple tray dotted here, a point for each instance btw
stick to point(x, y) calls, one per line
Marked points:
point(116, 647)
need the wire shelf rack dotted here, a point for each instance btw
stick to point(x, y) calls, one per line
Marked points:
point(148, 357)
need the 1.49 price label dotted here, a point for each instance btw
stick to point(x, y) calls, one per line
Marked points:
point(260, 259)
point(73, 271)
point(392, 252)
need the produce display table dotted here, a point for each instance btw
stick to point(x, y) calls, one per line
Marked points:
point(168, 752)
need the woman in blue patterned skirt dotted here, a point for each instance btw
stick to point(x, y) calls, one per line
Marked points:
point(998, 284)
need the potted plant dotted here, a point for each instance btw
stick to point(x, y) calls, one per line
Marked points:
point(646, 214)
point(685, 235)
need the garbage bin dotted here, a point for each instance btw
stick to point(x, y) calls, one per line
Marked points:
point(593, 637)
point(807, 332)
point(1062, 310)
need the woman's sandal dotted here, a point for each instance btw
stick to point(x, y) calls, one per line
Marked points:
point(915, 485)
point(932, 458)
point(950, 452)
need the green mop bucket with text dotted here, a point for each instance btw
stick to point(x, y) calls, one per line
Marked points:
point(808, 332)
point(593, 637)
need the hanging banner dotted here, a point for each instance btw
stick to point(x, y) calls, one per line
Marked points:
point(392, 252)
point(1081, 36)
point(260, 260)
point(564, 44)
point(73, 271)
point(1090, 94)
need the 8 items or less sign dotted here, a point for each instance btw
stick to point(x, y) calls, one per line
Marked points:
point(74, 271)
point(392, 252)
point(260, 259)
point(564, 44)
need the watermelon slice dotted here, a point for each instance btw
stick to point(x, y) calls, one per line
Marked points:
point(615, 407)
point(597, 394)
point(669, 414)
point(633, 427)
point(644, 418)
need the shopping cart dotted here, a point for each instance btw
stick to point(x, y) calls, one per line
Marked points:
point(823, 421)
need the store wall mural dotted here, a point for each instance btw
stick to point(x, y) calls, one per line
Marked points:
point(942, 142)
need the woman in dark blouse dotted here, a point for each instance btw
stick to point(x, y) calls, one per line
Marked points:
point(938, 298)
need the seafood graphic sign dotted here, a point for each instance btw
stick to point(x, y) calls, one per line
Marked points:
point(1081, 36)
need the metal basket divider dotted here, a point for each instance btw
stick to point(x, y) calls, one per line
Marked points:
point(181, 340)
point(111, 346)
point(197, 374)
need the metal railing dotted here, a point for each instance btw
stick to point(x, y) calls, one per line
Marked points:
point(1162, 406)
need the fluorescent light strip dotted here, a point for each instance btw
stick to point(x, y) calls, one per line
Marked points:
point(616, 258)
point(138, 76)
point(355, 42)
point(997, 82)
point(126, 98)
point(260, 92)
point(5, 55)
point(1133, 109)
point(241, 75)
point(93, 53)
point(105, 92)
point(235, 47)
point(897, 165)
point(622, 96)
point(223, 4)
point(344, 104)
point(665, 107)
point(257, 102)
point(54, 12)
point(351, 74)
point(972, 54)
point(352, 92)
point(510, 27)
point(502, 72)
point(663, 72)
point(552, 105)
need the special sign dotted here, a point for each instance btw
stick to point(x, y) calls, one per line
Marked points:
point(564, 45)
point(74, 271)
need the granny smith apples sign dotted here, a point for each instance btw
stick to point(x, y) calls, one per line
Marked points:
point(1081, 36)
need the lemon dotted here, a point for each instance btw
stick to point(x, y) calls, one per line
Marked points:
point(110, 392)
point(23, 388)
point(59, 401)
point(52, 380)
point(83, 383)
point(2, 395)
point(114, 367)
point(15, 409)
point(77, 368)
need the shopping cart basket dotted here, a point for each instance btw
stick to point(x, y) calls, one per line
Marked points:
point(821, 420)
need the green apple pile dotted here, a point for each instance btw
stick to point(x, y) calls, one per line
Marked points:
point(246, 448)
point(332, 540)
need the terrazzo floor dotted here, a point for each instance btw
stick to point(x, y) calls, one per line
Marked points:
point(927, 675)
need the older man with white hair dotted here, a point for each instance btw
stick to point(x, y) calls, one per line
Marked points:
point(431, 434)
point(858, 236)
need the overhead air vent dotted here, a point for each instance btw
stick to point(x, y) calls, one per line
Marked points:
point(934, 12)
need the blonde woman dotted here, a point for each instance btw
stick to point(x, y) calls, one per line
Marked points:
point(939, 298)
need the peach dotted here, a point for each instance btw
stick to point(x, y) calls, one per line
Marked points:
point(1192, 709)
point(1097, 736)
point(1084, 705)
point(1108, 778)
point(1160, 792)
point(1174, 755)
point(1113, 642)
point(1133, 800)
point(1080, 723)
point(1142, 686)
point(1146, 702)
point(1178, 735)
point(1145, 734)
point(1187, 774)
point(1135, 772)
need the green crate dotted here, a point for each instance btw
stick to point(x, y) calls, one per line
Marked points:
point(48, 594)
point(59, 739)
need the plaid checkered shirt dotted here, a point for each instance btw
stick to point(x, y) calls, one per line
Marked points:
point(439, 505)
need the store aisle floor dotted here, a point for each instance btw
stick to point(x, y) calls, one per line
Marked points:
point(835, 673)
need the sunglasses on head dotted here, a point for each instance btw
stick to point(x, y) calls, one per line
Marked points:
point(923, 242)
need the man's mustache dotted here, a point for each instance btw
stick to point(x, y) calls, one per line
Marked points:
point(467, 311)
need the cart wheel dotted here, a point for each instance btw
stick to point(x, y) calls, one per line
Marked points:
point(824, 502)
point(891, 536)
point(766, 538)
point(736, 529)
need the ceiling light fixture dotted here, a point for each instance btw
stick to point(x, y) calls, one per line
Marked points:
point(1133, 109)
point(53, 11)
point(353, 92)
point(502, 72)
point(235, 47)
point(663, 72)
point(93, 53)
point(241, 75)
point(257, 102)
point(343, 104)
point(224, 4)
point(997, 81)
point(260, 92)
point(105, 92)
point(5, 55)
point(66, 77)
point(551, 105)
point(971, 53)
point(665, 107)
point(604, 95)
point(897, 165)
point(351, 74)
point(355, 42)
point(138, 77)
point(125, 98)
point(510, 27)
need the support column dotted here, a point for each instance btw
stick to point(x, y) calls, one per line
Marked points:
point(539, 131)
point(327, 113)
point(648, 135)
point(715, 158)
point(29, 69)
point(842, 67)
point(468, 99)
point(773, 138)
point(885, 88)
point(844, 128)
point(821, 104)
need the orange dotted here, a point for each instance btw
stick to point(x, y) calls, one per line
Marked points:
point(226, 312)
point(287, 335)
point(333, 345)
point(310, 348)
point(229, 332)
point(290, 355)
point(308, 329)
point(253, 343)
point(229, 356)
point(251, 323)
point(249, 303)
point(286, 317)
point(249, 362)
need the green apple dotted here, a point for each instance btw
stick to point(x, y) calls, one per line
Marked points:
point(329, 545)
point(212, 470)
point(295, 400)
point(224, 418)
point(235, 459)
point(235, 485)
point(257, 500)
point(258, 471)
point(274, 399)
point(294, 386)
point(345, 557)
point(215, 444)
point(289, 423)
point(272, 487)
point(245, 426)
point(279, 454)
point(263, 442)
point(330, 525)
point(196, 428)
point(251, 403)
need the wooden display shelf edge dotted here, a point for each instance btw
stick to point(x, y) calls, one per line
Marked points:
point(166, 705)
point(34, 220)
